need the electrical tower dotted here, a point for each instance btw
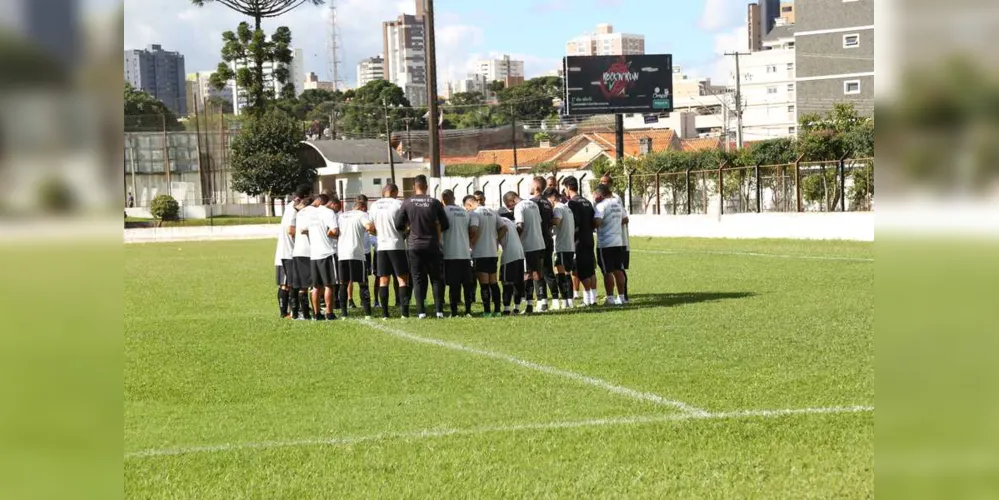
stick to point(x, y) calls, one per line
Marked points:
point(333, 72)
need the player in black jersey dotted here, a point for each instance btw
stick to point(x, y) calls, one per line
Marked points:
point(586, 262)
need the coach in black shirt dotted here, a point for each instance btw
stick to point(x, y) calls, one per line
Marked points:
point(586, 263)
point(425, 219)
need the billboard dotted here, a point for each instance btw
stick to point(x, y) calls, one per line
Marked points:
point(618, 84)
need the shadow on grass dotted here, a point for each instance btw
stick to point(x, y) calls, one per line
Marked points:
point(638, 301)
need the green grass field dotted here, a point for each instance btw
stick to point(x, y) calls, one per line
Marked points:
point(741, 369)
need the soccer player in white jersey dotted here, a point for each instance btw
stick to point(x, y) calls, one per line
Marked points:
point(302, 256)
point(512, 263)
point(527, 217)
point(485, 252)
point(283, 256)
point(362, 200)
point(626, 263)
point(392, 259)
point(564, 224)
point(610, 219)
point(458, 254)
point(355, 226)
point(323, 231)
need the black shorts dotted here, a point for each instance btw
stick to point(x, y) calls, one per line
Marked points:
point(302, 278)
point(323, 272)
point(513, 271)
point(457, 272)
point(534, 261)
point(586, 264)
point(284, 272)
point(488, 265)
point(425, 264)
point(610, 259)
point(566, 260)
point(392, 263)
point(627, 259)
point(353, 271)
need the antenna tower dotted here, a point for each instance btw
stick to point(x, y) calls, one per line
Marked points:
point(333, 47)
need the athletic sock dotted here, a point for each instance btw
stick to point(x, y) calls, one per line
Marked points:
point(486, 304)
point(293, 302)
point(469, 288)
point(508, 292)
point(283, 301)
point(365, 299)
point(438, 289)
point(403, 297)
point(494, 288)
point(383, 298)
point(343, 301)
point(303, 299)
point(624, 289)
point(454, 293)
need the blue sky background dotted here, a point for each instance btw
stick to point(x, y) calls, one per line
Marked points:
point(696, 32)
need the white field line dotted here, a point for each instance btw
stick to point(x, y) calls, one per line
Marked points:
point(558, 372)
point(758, 254)
point(543, 426)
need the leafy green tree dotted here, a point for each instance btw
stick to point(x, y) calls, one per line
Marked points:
point(496, 86)
point(256, 43)
point(144, 112)
point(466, 99)
point(841, 132)
point(531, 100)
point(265, 156)
point(246, 46)
point(364, 114)
point(164, 207)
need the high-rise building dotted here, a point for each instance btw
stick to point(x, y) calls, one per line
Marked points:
point(605, 43)
point(159, 73)
point(760, 19)
point(405, 62)
point(296, 77)
point(834, 54)
point(787, 12)
point(200, 88)
point(768, 92)
point(474, 82)
point(312, 82)
point(501, 69)
point(370, 69)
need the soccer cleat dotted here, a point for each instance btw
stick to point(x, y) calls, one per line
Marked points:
point(529, 309)
point(487, 315)
point(330, 317)
point(516, 312)
point(440, 315)
point(351, 304)
point(422, 316)
point(319, 317)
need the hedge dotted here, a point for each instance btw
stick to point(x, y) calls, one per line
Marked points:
point(164, 207)
point(472, 170)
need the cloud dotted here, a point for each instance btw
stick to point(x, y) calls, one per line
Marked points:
point(721, 14)
point(719, 67)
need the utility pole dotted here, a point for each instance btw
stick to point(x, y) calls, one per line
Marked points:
point(513, 131)
point(738, 98)
point(431, 47)
point(388, 136)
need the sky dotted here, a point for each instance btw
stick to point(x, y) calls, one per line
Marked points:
point(696, 32)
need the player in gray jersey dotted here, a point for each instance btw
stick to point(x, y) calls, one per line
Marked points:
point(564, 224)
point(485, 252)
point(610, 219)
point(390, 257)
point(512, 262)
point(458, 254)
point(354, 228)
point(527, 217)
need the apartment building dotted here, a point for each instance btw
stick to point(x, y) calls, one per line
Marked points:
point(405, 60)
point(605, 42)
point(370, 69)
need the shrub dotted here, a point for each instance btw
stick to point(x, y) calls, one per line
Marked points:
point(164, 207)
point(472, 170)
point(55, 196)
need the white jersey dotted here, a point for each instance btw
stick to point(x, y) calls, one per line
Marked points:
point(487, 246)
point(285, 241)
point(611, 215)
point(302, 247)
point(565, 231)
point(528, 215)
point(321, 221)
point(512, 248)
point(624, 229)
point(383, 213)
point(353, 234)
point(456, 246)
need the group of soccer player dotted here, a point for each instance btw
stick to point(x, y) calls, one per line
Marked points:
point(550, 244)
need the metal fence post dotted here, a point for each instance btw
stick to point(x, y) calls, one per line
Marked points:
point(631, 197)
point(658, 203)
point(759, 189)
point(721, 189)
point(798, 207)
point(689, 203)
point(842, 184)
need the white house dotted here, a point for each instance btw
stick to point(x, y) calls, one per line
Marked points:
point(353, 167)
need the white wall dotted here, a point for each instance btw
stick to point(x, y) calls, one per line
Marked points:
point(858, 226)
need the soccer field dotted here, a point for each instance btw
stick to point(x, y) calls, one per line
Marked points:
point(740, 369)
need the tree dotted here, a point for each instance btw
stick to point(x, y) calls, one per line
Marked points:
point(258, 10)
point(531, 100)
point(144, 112)
point(364, 114)
point(265, 156)
point(840, 133)
point(466, 99)
point(244, 46)
point(496, 86)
